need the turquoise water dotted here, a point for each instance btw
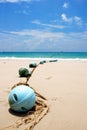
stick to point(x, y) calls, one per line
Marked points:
point(64, 55)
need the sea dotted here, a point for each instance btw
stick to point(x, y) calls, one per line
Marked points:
point(44, 55)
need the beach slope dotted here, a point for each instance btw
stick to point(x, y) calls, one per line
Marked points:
point(63, 83)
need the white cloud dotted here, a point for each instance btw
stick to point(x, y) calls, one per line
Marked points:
point(15, 1)
point(36, 22)
point(34, 40)
point(12, 1)
point(78, 20)
point(48, 25)
point(65, 5)
point(65, 18)
point(38, 34)
point(48, 34)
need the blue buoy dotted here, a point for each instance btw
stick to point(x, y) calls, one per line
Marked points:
point(21, 98)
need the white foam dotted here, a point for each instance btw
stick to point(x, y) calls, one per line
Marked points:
point(40, 59)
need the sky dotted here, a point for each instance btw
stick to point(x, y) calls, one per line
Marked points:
point(43, 25)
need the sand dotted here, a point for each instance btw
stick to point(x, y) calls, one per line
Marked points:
point(62, 83)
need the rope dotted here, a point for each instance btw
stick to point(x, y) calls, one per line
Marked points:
point(31, 118)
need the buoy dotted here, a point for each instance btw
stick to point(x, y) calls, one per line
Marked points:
point(21, 98)
point(32, 65)
point(24, 72)
point(42, 62)
point(53, 60)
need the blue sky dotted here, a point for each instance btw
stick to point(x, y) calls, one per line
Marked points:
point(43, 25)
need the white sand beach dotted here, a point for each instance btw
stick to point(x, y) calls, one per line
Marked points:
point(62, 83)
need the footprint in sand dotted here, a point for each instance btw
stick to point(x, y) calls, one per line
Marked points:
point(48, 78)
point(57, 99)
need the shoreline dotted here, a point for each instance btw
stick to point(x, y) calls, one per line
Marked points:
point(47, 59)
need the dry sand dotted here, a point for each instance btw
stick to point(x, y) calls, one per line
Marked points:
point(63, 83)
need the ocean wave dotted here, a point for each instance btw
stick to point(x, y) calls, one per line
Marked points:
point(47, 59)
